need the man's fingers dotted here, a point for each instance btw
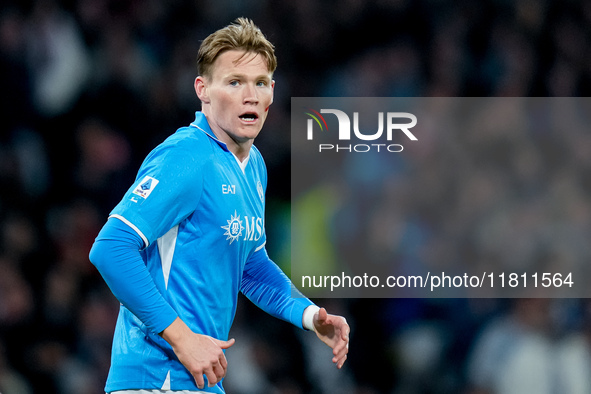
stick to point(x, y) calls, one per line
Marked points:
point(216, 370)
point(199, 380)
point(224, 344)
point(211, 377)
point(219, 371)
point(341, 362)
point(333, 331)
point(214, 374)
point(223, 362)
point(340, 347)
point(346, 331)
point(322, 315)
point(340, 350)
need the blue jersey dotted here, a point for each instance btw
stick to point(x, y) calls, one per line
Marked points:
point(200, 214)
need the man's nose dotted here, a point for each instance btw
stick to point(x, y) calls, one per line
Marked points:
point(250, 95)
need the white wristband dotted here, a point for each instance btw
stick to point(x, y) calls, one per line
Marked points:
point(308, 317)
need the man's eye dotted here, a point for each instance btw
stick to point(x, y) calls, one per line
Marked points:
point(233, 83)
point(262, 83)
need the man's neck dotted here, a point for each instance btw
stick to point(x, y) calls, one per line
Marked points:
point(241, 152)
point(240, 149)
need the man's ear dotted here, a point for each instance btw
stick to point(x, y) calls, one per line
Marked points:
point(272, 90)
point(201, 89)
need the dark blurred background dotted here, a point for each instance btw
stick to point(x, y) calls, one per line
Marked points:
point(89, 87)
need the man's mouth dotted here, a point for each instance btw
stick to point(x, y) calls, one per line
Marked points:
point(249, 117)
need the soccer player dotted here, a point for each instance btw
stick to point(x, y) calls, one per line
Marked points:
point(189, 234)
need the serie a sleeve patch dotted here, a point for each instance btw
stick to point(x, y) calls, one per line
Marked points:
point(145, 187)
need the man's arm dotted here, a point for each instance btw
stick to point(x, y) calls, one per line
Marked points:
point(116, 255)
point(270, 289)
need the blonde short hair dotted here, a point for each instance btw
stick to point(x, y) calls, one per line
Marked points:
point(243, 34)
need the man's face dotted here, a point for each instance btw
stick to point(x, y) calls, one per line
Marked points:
point(237, 96)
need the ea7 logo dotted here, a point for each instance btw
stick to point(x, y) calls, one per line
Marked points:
point(345, 125)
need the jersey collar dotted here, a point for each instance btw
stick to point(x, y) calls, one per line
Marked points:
point(202, 124)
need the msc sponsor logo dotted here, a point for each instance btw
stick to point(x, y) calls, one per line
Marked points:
point(395, 123)
point(249, 228)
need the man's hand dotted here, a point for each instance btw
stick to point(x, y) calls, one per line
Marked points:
point(334, 331)
point(200, 354)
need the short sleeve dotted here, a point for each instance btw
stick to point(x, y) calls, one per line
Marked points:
point(167, 190)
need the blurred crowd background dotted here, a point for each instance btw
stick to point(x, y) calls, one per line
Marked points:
point(89, 87)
